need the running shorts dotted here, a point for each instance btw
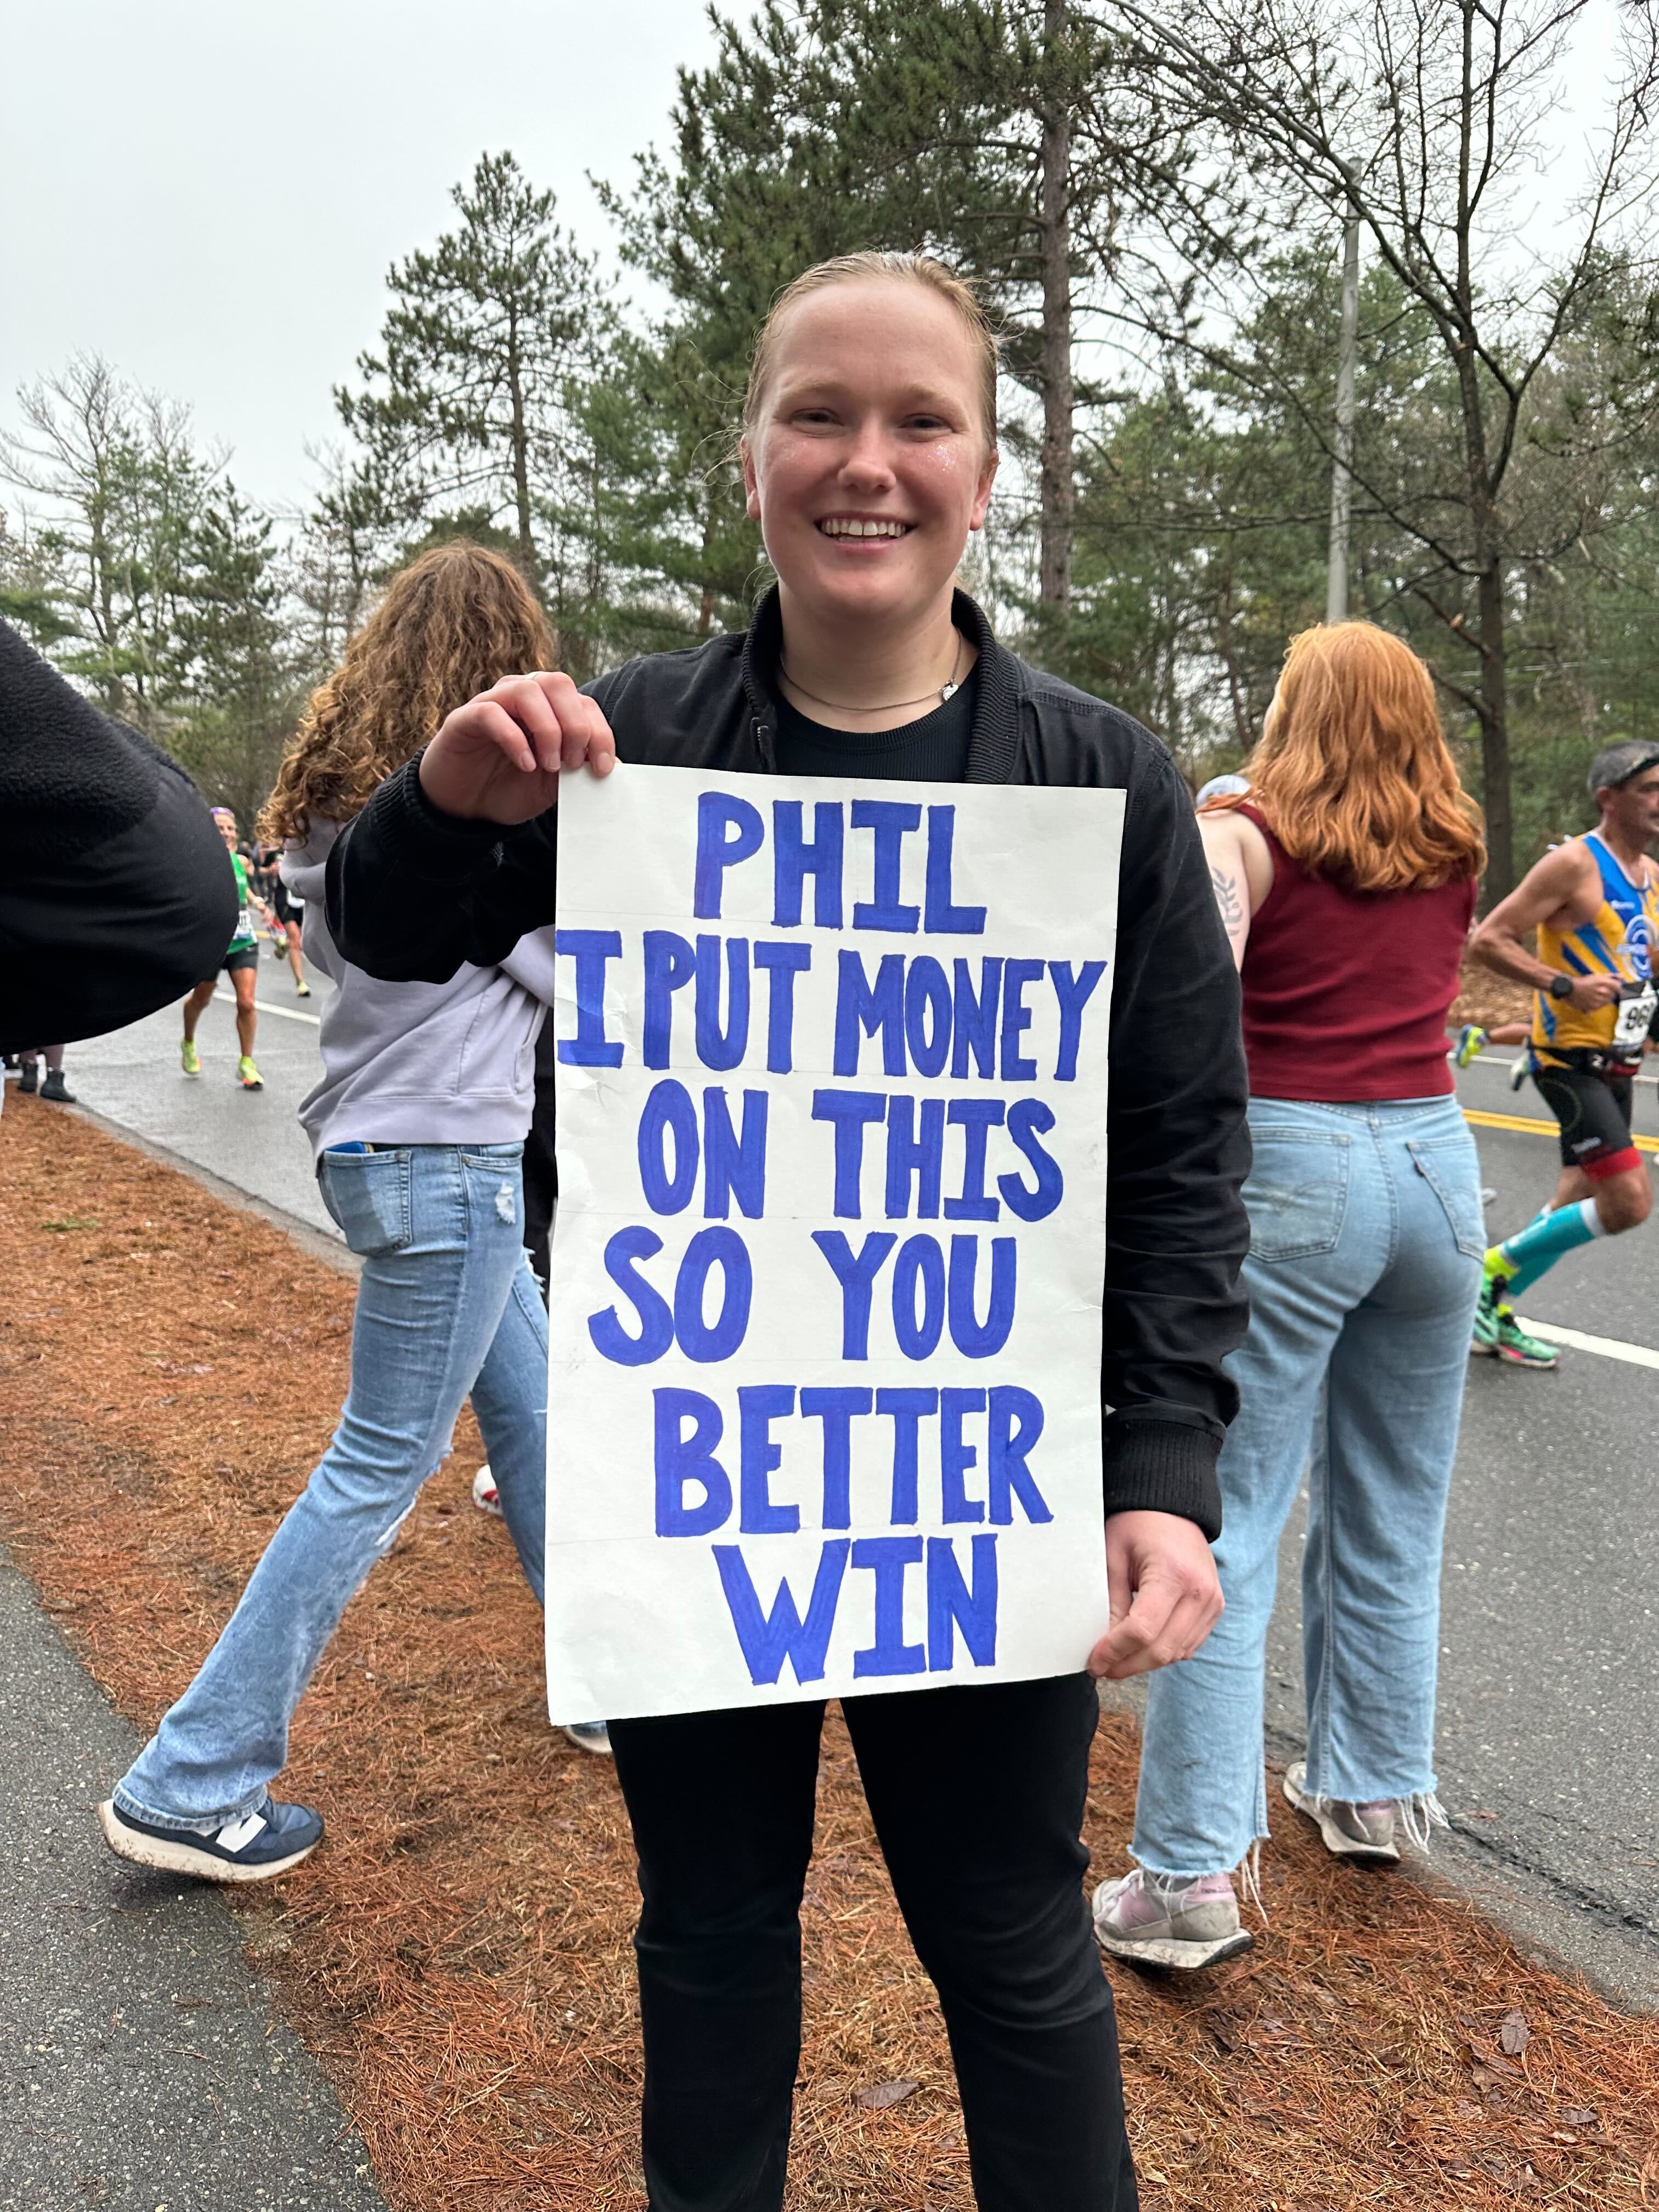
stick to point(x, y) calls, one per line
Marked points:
point(1595, 1112)
point(243, 956)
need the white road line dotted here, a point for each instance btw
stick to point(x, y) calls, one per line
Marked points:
point(1637, 1355)
point(283, 1013)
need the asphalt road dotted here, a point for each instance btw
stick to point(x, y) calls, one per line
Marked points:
point(1551, 1635)
point(249, 1139)
point(1551, 1620)
point(1550, 1623)
point(141, 2064)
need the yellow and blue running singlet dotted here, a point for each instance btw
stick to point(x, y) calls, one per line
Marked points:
point(1619, 939)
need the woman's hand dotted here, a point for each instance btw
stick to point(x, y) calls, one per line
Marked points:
point(1166, 1595)
point(499, 757)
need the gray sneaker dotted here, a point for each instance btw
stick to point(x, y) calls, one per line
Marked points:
point(1350, 1832)
point(1164, 1921)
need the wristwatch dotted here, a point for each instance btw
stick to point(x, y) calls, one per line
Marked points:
point(1560, 987)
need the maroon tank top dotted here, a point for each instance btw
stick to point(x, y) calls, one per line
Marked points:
point(1347, 993)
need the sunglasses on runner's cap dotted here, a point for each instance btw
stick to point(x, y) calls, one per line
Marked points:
point(1620, 764)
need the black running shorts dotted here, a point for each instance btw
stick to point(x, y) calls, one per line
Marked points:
point(1594, 1111)
point(245, 956)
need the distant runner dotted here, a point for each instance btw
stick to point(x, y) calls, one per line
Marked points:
point(288, 914)
point(1594, 903)
point(240, 963)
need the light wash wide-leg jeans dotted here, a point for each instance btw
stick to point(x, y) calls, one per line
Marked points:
point(1366, 1238)
point(447, 1306)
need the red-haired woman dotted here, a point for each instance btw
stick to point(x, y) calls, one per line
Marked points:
point(1346, 879)
point(869, 449)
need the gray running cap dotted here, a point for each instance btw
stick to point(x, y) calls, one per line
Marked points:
point(1616, 764)
point(1235, 786)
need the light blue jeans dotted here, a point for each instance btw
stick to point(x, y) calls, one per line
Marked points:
point(447, 1306)
point(1366, 1238)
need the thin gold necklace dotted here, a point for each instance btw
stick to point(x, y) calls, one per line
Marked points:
point(941, 692)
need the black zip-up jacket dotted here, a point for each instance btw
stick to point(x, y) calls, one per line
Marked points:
point(413, 892)
point(116, 890)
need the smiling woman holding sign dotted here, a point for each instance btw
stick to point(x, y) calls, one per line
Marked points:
point(868, 451)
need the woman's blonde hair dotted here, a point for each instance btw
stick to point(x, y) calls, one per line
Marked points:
point(1352, 774)
point(922, 269)
point(451, 623)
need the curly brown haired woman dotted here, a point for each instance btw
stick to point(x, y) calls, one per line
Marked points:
point(418, 1126)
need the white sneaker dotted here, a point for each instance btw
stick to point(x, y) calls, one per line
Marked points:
point(1164, 1921)
point(485, 1496)
point(1350, 1832)
point(591, 1735)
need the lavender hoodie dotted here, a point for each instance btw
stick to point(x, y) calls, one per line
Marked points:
point(419, 1063)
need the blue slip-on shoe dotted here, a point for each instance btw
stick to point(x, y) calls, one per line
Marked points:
point(254, 1847)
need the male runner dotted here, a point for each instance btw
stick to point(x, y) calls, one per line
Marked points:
point(240, 963)
point(287, 911)
point(1594, 903)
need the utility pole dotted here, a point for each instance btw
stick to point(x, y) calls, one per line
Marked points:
point(1336, 572)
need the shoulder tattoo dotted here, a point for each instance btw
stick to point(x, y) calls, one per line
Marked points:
point(1227, 898)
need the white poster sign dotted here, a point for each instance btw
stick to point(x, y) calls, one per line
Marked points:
point(824, 1399)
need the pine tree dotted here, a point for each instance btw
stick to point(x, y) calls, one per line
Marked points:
point(467, 399)
point(238, 687)
point(1015, 137)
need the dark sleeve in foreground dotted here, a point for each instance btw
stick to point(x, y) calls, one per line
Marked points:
point(414, 894)
point(116, 891)
point(1178, 1149)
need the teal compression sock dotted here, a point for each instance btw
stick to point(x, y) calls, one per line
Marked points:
point(1534, 1250)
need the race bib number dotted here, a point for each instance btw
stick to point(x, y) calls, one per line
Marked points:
point(1630, 1030)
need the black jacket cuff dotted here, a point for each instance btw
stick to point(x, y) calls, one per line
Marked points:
point(449, 844)
point(1163, 1467)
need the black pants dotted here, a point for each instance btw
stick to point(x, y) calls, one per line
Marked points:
point(977, 1796)
point(1594, 1110)
point(540, 1167)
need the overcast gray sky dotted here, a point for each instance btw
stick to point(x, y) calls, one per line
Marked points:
point(209, 195)
point(209, 192)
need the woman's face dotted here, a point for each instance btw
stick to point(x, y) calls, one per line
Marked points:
point(868, 468)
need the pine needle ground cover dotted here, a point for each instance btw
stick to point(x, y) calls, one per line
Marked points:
point(458, 1953)
point(1489, 999)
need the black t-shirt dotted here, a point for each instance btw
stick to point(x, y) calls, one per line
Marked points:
point(933, 749)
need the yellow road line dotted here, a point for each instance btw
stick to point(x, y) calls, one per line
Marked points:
point(1540, 1128)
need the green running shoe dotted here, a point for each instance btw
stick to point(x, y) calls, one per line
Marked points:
point(1499, 1335)
point(248, 1075)
point(189, 1057)
point(1471, 1040)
